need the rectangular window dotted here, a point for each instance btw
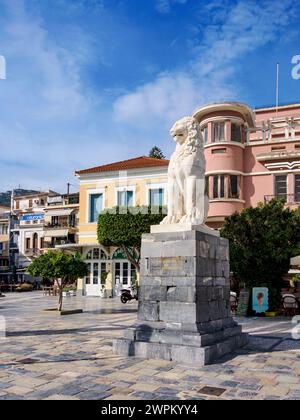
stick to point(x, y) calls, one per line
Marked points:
point(297, 188)
point(103, 271)
point(205, 134)
point(281, 187)
point(27, 243)
point(96, 207)
point(218, 151)
point(219, 132)
point(88, 277)
point(125, 198)
point(125, 274)
point(3, 229)
point(96, 273)
point(216, 187)
point(236, 132)
point(207, 185)
point(156, 197)
point(117, 273)
point(233, 187)
point(54, 221)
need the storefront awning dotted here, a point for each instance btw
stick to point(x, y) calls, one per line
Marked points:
point(56, 233)
point(62, 212)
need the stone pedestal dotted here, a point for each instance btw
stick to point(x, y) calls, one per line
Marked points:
point(184, 301)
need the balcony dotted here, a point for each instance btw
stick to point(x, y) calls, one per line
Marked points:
point(61, 225)
point(53, 245)
point(286, 198)
point(278, 155)
point(33, 252)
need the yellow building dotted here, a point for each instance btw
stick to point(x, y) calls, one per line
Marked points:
point(134, 182)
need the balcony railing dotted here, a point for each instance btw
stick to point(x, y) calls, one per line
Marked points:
point(287, 198)
point(33, 252)
point(52, 245)
point(60, 226)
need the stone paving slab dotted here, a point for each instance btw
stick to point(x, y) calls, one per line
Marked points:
point(49, 357)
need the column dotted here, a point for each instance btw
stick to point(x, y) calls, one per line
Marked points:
point(210, 132)
point(291, 187)
point(228, 130)
point(80, 284)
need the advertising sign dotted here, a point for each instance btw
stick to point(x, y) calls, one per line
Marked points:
point(32, 217)
point(260, 299)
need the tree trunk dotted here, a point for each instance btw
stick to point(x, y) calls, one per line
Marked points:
point(131, 258)
point(60, 298)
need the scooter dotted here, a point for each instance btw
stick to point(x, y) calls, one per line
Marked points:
point(128, 295)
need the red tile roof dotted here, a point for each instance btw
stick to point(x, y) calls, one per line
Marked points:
point(136, 163)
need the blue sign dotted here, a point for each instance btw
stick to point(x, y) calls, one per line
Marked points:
point(260, 299)
point(32, 217)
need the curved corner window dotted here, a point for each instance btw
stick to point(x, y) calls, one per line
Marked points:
point(233, 190)
point(205, 134)
point(219, 186)
point(236, 132)
point(223, 186)
point(219, 132)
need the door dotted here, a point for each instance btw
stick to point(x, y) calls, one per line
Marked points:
point(93, 281)
point(124, 276)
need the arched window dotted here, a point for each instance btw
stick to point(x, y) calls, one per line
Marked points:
point(96, 254)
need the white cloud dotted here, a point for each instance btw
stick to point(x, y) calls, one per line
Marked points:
point(164, 6)
point(209, 77)
point(44, 109)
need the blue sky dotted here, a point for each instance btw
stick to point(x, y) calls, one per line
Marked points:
point(96, 81)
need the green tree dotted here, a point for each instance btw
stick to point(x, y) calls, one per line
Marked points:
point(261, 245)
point(156, 153)
point(124, 227)
point(296, 248)
point(58, 267)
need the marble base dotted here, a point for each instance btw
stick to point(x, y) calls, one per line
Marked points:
point(184, 228)
point(184, 300)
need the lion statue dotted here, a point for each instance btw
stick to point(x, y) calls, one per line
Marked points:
point(188, 202)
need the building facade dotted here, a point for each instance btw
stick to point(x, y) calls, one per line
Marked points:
point(252, 156)
point(4, 241)
point(29, 228)
point(135, 182)
point(61, 220)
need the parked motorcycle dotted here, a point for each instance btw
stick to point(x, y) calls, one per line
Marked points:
point(128, 295)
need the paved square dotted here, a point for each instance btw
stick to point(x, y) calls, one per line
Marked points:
point(46, 356)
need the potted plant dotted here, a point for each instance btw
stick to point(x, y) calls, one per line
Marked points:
point(104, 276)
point(69, 291)
point(295, 282)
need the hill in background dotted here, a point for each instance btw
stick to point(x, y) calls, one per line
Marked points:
point(6, 197)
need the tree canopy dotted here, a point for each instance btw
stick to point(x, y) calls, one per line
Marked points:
point(124, 227)
point(60, 267)
point(156, 153)
point(262, 241)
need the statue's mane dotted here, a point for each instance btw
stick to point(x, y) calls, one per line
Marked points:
point(194, 140)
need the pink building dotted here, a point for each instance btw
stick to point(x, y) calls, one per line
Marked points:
point(252, 156)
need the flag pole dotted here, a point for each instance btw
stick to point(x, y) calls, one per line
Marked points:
point(277, 88)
